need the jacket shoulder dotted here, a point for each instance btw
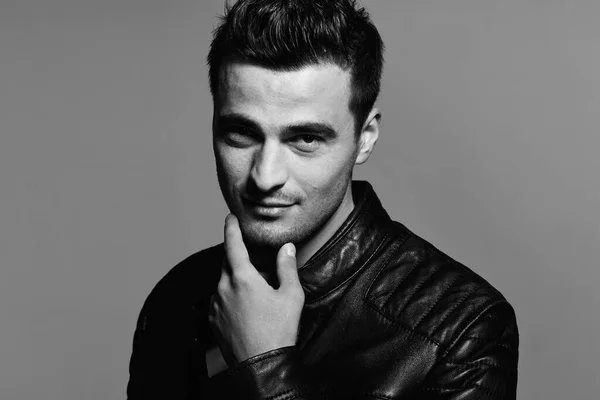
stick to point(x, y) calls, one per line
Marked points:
point(189, 278)
point(431, 294)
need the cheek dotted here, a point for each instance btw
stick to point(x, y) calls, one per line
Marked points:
point(326, 178)
point(231, 164)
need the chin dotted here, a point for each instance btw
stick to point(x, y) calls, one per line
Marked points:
point(297, 227)
point(268, 235)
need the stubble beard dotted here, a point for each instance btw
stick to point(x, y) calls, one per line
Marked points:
point(269, 236)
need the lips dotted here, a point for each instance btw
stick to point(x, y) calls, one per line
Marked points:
point(267, 204)
point(267, 209)
point(271, 205)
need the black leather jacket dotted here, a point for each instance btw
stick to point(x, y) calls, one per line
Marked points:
point(386, 316)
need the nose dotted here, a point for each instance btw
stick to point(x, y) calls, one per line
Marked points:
point(269, 170)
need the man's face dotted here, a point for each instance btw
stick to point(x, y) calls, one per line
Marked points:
point(285, 148)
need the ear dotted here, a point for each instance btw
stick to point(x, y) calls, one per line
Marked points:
point(368, 136)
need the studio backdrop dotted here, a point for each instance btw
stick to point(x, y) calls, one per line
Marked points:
point(488, 149)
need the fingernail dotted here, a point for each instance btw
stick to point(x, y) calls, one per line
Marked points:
point(290, 250)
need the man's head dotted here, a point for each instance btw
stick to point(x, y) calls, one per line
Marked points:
point(286, 35)
point(294, 83)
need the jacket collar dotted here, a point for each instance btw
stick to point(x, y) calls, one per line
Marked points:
point(350, 246)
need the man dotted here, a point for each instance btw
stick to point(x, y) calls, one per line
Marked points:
point(315, 292)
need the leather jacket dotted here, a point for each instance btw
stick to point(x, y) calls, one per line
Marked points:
point(386, 316)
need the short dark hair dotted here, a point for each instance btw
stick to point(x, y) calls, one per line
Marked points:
point(287, 35)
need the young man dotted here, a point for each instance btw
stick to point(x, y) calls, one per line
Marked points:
point(315, 292)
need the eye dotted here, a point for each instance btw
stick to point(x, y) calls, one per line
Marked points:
point(307, 143)
point(238, 136)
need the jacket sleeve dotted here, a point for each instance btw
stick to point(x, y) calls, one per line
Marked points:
point(481, 363)
point(278, 374)
point(274, 374)
point(136, 363)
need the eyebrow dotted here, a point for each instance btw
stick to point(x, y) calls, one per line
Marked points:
point(319, 128)
point(238, 120)
point(298, 128)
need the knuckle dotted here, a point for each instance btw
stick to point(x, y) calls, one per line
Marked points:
point(241, 277)
point(214, 306)
point(212, 317)
point(222, 286)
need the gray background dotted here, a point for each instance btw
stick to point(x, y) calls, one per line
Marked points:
point(488, 149)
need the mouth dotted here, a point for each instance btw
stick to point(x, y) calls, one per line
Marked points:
point(266, 208)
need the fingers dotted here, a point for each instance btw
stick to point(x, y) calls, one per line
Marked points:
point(287, 271)
point(235, 249)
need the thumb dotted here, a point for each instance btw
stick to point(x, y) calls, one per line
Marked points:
point(287, 272)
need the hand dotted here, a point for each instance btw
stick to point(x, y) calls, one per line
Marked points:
point(247, 315)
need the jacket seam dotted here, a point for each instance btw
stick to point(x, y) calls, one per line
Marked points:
point(461, 366)
point(435, 269)
point(476, 386)
point(254, 360)
point(289, 393)
point(437, 301)
point(386, 262)
point(476, 315)
point(399, 284)
point(480, 340)
point(490, 392)
point(341, 234)
point(355, 273)
point(448, 312)
point(388, 318)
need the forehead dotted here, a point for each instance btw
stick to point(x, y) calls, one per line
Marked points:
point(315, 92)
